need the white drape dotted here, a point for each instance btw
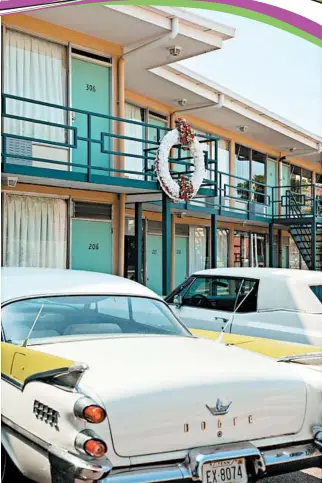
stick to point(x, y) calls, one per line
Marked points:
point(34, 232)
point(222, 248)
point(197, 248)
point(133, 113)
point(34, 69)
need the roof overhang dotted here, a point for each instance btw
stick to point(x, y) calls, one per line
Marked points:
point(263, 126)
point(131, 26)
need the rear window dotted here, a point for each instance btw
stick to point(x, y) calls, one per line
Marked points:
point(317, 290)
point(86, 317)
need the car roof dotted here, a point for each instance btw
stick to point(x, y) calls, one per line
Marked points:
point(19, 283)
point(279, 289)
point(307, 276)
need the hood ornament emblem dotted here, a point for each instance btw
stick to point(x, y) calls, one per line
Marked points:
point(220, 409)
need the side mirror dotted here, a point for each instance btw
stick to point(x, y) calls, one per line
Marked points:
point(177, 300)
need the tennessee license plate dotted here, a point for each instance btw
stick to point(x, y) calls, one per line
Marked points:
point(227, 471)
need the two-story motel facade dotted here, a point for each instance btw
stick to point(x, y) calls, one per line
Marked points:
point(88, 93)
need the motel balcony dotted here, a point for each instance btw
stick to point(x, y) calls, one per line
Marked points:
point(55, 145)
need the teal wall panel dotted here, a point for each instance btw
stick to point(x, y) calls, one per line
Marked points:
point(91, 246)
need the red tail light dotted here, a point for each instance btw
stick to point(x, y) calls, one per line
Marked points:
point(95, 448)
point(94, 414)
point(86, 408)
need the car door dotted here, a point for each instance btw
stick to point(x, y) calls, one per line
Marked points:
point(208, 302)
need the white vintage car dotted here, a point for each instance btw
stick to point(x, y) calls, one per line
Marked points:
point(272, 303)
point(101, 381)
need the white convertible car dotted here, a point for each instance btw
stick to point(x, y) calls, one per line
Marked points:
point(100, 381)
point(272, 303)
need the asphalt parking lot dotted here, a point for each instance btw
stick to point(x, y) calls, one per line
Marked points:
point(308, 476)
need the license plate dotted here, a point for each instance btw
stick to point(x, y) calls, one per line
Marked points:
point(227, 471)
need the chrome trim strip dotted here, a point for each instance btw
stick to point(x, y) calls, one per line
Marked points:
point(265, 460)
point(12, 381)
point(66, 378)
point(308, 358)
point(24, 433)
point(159, 474)
point(318, 439)
point(291, 454)
point(85, 470)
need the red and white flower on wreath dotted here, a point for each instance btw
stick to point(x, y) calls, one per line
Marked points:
point(186, 188)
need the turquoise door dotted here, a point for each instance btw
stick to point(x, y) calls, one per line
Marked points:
point(92, 246)
point(271, 181)
point(181, 260)
point(91, 92)
point(154, 263)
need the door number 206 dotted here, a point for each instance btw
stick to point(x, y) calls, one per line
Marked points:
point(94, 246)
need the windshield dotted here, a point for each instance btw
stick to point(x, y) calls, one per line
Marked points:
point(42, 320)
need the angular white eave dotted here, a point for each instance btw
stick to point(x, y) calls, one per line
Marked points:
point(192, 26)
point(196, 21)
point(210, 92)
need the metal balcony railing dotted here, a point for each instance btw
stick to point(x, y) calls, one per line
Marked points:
point(87, 146)
point(59, 142)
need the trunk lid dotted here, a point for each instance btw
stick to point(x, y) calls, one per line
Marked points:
point(156, 391)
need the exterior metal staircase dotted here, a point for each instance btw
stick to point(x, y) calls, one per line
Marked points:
point(306, 230)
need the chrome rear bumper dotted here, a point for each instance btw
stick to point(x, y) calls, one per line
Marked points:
point(260, 463)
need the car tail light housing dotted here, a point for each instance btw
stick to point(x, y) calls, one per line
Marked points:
point(86, 409)
point(89, 443)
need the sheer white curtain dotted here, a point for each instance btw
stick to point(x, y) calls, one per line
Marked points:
point(35, 69)
point(133, 113)
point(197, 248)
point(222, 248)
point(34, 232)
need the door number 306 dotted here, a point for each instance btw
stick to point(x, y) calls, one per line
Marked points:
point(90, 87)
point(94, 246)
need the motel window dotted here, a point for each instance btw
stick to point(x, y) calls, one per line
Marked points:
point(133, 160)
point(251, 173)
point(258, 176)
point(36, 69)
point(243, 158)
point(301, 180)
point(34, 232)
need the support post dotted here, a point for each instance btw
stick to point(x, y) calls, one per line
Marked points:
point(138, 243)
point(173, 250)
point(314, 228)
point(121, 114)
point(121, 234)
point(232, 172)
point(166, 245)
point(213, 238)
point(271, 257)
point(231, 247)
